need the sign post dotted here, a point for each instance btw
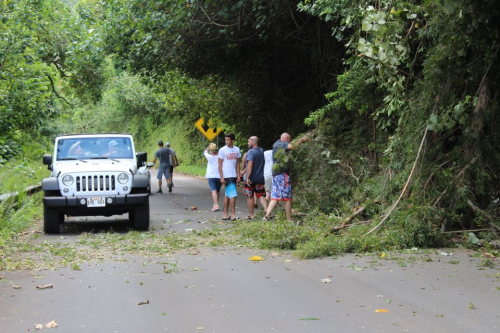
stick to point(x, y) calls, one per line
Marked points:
point(209, 132)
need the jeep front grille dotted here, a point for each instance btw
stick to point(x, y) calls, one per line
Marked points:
point(95, 183)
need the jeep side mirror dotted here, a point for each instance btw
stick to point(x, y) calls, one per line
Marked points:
point(141, 159)
point(47, 160)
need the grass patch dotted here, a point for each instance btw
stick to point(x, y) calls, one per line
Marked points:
point(18, 212)
point(16, 175)
point(195, 170)
point(311, 239)
point(22, 253)
point(279, 235)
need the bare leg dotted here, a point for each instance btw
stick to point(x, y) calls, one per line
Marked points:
point(288, 210)
point(250, 206)
point(225, 214)
point(232, 202)
point(263, 202)
point(170, 179)
point(270, 207)
point(215, 197)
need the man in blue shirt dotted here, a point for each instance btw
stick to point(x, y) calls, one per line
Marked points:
point(254, 176)
point(163, 154)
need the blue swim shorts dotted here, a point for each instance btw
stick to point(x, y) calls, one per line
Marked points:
point(231, 188)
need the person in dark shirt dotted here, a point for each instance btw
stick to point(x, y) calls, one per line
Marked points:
point(254, 176)
point(163, 154)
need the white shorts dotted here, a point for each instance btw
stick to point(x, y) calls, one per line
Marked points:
point(268, 182)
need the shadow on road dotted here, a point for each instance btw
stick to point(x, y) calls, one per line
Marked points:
point(98, 224)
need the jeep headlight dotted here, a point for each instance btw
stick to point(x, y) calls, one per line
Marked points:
point(122, 178)
point(67, 180)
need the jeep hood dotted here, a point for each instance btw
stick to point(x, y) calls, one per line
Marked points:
point(95, 166)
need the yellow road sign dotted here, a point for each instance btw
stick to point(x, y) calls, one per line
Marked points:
point(209, 132)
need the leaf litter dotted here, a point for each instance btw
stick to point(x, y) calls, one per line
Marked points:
point(52, 324)
point(46, 286)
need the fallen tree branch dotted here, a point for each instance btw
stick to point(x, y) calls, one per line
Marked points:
point(405, 187)
point(482, 212)
point(346, 224)
point(454, 179)
point(487, 70)
point(356, 213)
point(478, 210)
point(459, 231)
point(352, 173)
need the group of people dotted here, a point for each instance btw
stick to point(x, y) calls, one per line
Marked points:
point(168, 160)
point(262, 183)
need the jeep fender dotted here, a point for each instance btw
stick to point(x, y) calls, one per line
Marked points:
point(140, 181)
point(50, 184)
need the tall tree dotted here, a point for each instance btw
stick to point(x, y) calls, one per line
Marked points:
point(44, 50)
point(281, 60)
point(423, 72)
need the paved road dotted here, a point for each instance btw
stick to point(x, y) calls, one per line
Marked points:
point(221, 290)
point(187, 207)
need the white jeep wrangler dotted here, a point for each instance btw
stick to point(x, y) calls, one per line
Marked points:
point(96, 175)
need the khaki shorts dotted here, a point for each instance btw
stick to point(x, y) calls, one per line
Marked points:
point(268, 182)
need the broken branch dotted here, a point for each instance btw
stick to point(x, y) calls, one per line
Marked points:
point(346, 222)
point(406, 185)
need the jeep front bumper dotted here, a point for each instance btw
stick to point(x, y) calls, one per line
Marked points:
point(117, 201)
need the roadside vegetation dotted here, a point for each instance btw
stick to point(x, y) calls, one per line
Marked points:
point(400, 102)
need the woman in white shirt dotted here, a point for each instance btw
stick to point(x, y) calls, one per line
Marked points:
point(212, 174)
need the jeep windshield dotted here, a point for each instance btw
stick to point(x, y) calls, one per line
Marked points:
point(94, 147)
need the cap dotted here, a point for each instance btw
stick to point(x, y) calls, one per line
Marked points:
point(112, 143)
point(212, 147)
point(160, 143)
point(167, 144)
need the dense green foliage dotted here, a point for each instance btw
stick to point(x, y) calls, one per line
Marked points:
point(47, 59)
point(400, 98)
point(418, 71)
point(280, 61)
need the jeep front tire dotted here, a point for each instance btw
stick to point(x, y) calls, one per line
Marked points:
point(52, 219)
point(139, 217)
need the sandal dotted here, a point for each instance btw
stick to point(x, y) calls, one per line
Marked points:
point(226, 218)
point(249, 218)
point(214, 208)
point(265, 218)
point(235, 218)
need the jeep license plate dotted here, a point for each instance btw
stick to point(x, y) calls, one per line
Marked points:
point(96, 202)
